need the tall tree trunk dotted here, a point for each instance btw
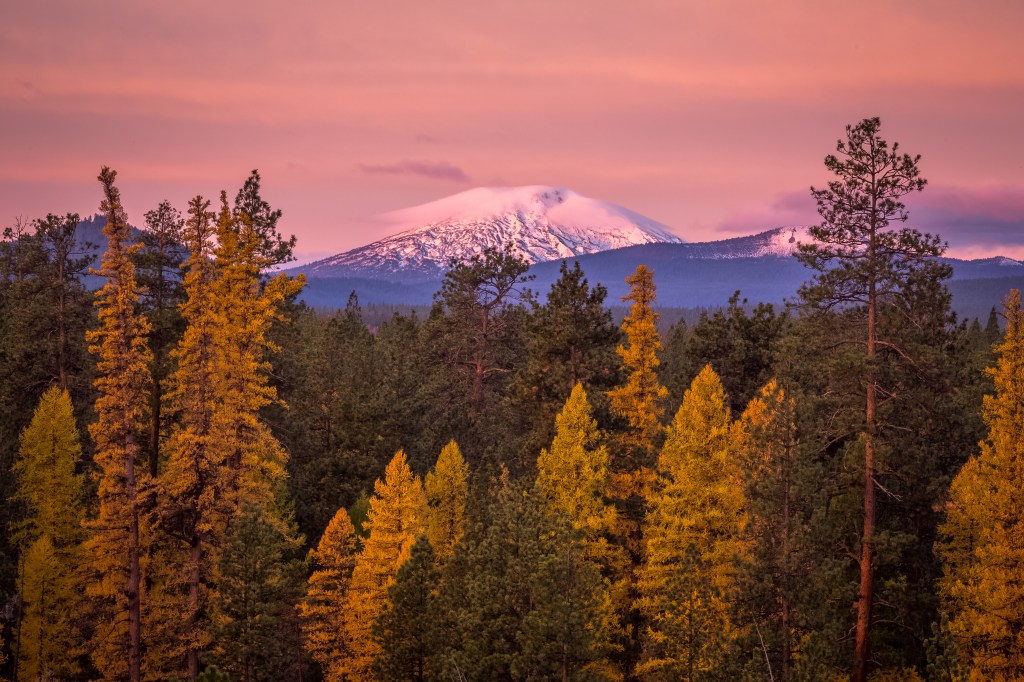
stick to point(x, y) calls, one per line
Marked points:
point(193, 606)
point(862, 648)
point(134, 574)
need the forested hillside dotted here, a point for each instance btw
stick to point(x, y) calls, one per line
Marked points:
point(205, 478)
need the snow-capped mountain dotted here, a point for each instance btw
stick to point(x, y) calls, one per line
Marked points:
point(541, 223)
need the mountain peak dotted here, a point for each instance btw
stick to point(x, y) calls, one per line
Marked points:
point(541, 223)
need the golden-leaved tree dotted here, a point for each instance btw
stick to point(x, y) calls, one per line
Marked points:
point(397, 516)
point(447, 488)
point(51, 535)
point(983, 545)
point(691, 537)
point(573, 478)
point(323, 609)
point(122, 383)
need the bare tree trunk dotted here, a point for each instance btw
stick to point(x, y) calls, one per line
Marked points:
point(862, 648)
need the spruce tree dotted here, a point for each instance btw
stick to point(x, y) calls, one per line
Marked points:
point(51, 536)
point(407, 632)
point(981, 543)
point(864, 267)
point(397, 516)
point(447, 488)
point(123, 383)
point(326, 601)
point(691, 539)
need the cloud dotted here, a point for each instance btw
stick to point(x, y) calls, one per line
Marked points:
point(788, 208)
point(441, 170)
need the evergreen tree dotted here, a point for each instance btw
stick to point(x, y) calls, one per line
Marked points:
point(259, 588)
point(323, 609)
point(397, 516)
point(864, 267)
point(520, 595)
point(770, 575)
point(407, 632)
point(51, 535)
point(123, 384)
point(981, 547)
point(572, 339)
point(447, 488)
point(251, 209)
point(158, 265)
point(692, 538)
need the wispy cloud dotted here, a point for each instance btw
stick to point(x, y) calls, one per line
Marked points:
point(440, 170)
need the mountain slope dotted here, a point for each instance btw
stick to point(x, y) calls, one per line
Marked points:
point(541, 223)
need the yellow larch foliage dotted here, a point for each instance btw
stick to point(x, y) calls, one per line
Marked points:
point(691, 536)
point(245, 309)
point(447, 488)
point(323, 609)
point(51, 536)
point(640, 400)
point(573, 474)
point(983, 545)
point(123, 385)
point(397, 516)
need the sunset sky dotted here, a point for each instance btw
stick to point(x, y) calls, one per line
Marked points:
point(711, 117)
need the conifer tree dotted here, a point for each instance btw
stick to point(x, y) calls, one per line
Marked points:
point(691, 537)
point(123, 384)
point(259, 588)
point(326, 601)
point(981, 548)
point(640, 400)
point(159, 263)
point(447, 488)
point(407, 632)
point(51, 534)
point(573, 474)
point(397, 516)
point(863, 268)
point(195, 496)
point(766, 443)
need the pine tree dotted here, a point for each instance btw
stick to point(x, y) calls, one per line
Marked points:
point(691, 537)
point(158, 264)
point(981, 548)
point(864, 267)
point(397, 516)
point(323, 609)
point(447, 488)
point(259, 588)
point(123, 384)
point(51, 534)
point(407, 632)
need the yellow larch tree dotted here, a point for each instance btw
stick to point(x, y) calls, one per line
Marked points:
point(51, 535)
point(123, 382)
point(397, 516)
point(983, 536)
point(691, 537)
point(195, 502)
point(447, 488)
point(246, 308)
point(324, 606)
point(573, 478)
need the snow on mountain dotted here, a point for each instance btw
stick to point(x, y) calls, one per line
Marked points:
point(541, 223)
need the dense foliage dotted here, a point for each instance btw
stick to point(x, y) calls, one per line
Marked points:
point(508, 486)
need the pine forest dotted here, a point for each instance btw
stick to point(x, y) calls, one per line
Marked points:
point(204, 478)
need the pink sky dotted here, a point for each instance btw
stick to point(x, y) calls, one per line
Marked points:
point(711, 117)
